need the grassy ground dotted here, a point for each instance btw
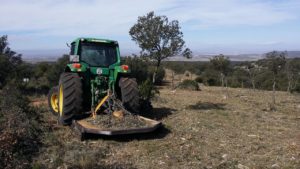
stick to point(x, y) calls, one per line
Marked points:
point(202, 130)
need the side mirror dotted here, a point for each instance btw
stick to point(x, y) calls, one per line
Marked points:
point(74, 58)
point(68, 45)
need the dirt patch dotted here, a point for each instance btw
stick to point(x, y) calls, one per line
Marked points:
point(38, 103)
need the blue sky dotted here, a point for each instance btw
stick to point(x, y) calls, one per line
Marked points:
point(209, 26)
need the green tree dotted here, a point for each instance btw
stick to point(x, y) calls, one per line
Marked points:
point(9, 61)
point(158, 38)
point(239, 77)
point(252, 69)
point(56, 69)
point(221, 64)
point(13, 57)
point(5, 67)
point(187, 53)
point(138, 67)
point(275, 62)
point(292, 70)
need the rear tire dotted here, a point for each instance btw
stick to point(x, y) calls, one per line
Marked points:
point(130, 94)
point(70, 97)
point(53, 100)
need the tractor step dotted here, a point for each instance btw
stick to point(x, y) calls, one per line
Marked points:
point(83, 128)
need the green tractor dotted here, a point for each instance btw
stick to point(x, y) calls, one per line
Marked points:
point(93, 78)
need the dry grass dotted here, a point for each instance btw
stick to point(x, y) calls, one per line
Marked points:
point(213, 131)
point(202, 130)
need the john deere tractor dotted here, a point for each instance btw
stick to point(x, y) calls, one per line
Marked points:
point(94, 80)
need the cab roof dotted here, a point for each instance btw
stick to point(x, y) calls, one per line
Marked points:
point(94, 40)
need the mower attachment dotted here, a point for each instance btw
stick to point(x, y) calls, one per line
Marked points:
point(83, 127)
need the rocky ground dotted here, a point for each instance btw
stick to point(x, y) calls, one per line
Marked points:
point(202, 129)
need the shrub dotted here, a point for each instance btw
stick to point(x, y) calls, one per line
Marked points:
point(159, 76)
point(142, 70)
point(211, 82)
point(54, 70)
point(199, 79)
point(210, 77)
point(189, 85)
point(18, 130)
point(138, 68)
point(187, 74)
point(296, 89)
point(145, 88)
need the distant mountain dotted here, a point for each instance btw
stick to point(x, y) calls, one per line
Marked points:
point(200, 57)
point(245, 57)
point(236, 57)
point(34, 56)
point(290, 54)
point(293, 54)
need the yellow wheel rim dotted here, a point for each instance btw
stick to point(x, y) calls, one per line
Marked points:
point(54, 102)
point(61, 98)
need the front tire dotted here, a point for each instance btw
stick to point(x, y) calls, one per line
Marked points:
point(70, 100)
point(130, 94)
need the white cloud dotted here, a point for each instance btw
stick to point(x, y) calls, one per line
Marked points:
point(213, 13)
point(33, 19)
point(115, 17)
point(73, 17)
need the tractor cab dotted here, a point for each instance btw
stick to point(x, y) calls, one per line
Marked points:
point(94, 52)
point(98, 55)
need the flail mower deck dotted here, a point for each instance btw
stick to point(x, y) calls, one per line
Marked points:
point(84, 127)
point(112, 121)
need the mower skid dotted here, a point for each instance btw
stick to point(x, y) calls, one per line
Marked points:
point(84, 127)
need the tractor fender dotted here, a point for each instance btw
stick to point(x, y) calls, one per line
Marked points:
point(67, 68)
point(119, 71)
point(70, 68)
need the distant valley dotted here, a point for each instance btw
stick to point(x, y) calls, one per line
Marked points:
point(34, 56)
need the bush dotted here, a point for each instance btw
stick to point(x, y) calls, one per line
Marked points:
point(145, 88)
point(296, 89)
point(56, 69)
point(187, 74)
point(141, 70)
point(42, 76)
point(189, 85)
point(159, 76)
point(210, 77)
point(138, 68)
point(18, 130)
point(199, 79)
point(212, 82)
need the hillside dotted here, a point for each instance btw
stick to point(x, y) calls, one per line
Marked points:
point(53, 55)
point(202, 130)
